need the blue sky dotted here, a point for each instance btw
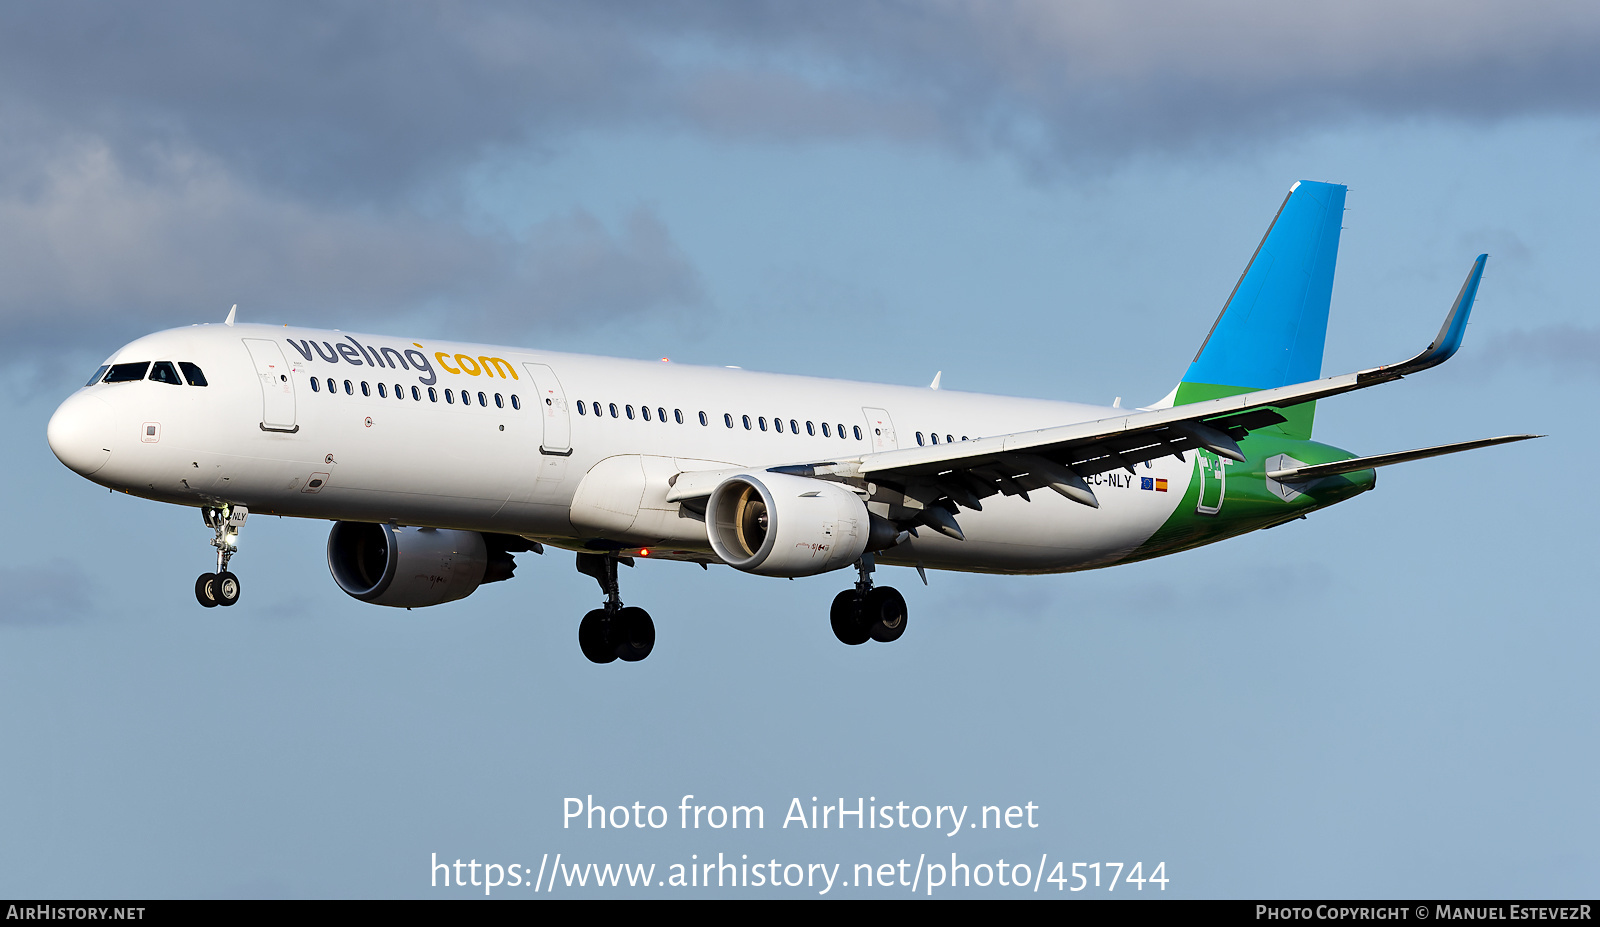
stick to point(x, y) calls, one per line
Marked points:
point(1394, 697)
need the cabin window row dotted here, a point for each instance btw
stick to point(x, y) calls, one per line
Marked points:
point(658, 414)
point(450, 396)
point(760, 423)
point(600, 410)
point(934, 437)
point(160, 372)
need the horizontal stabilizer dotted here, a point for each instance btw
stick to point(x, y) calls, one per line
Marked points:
point(1317, 471)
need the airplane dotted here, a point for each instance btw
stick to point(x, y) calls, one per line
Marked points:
point(439, 461)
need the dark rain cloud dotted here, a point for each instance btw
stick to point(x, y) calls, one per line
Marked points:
point(359, 99)
point(156, 158)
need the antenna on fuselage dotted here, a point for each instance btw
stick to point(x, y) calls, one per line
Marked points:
point(935, 383)
point(231, 313)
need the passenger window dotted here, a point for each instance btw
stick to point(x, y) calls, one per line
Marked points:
point(399, 391)
point(661, 414)
point(762, 420)
point(97, 375)
point(919, 439)
point(580, 406)
point(811, 429)
point(842, 432)
point(316, 385)
point(498, 402)
point(433, 394)
point(703, 421)
point(416, 394)
point(646, 412)
point(449, 398)
point(777, 424)
point(466, 398)
point(825, 432)
point(949, 440)
point(515, 402)
point(856, 429)
point(677, 415)
point(629, 410)
point(127, 373)
point(349, 388)
point(613, 410)
point(332, 387)
point(195, 377)
point(727, 419)
point(794, 427)
point(482, 401)
point(383, 391)
point(365, 390)
point(935, 438)
point(746, 422)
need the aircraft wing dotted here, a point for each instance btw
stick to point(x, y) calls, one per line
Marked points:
point(1059, 458)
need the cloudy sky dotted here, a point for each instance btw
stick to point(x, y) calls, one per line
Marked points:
point(1394, 698)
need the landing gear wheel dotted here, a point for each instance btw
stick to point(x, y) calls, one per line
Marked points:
point(846, 618)
point(227, 588)
point(205, 590)
point(883, 611)
point(593, 634)
point(636, 634)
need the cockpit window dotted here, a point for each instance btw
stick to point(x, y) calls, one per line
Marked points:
point(163, 372)
point(123, 373)
point(196, 378)
point(97, 375)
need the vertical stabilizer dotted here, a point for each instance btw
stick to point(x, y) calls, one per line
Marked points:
point(1271, 331)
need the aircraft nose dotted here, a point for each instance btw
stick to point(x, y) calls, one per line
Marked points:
point(80, 433)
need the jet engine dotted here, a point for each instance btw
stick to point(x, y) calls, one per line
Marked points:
point(777, 524)
point(413, 567)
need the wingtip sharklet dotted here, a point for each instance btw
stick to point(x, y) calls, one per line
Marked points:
point(1445, 344)
point(1454, 329)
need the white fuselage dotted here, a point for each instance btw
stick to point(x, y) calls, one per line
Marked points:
point(524, 460)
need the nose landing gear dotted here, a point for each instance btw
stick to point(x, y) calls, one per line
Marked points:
point(868, 612)
point(221, 587)
point(613, 632)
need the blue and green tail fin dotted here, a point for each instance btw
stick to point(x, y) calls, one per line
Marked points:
point(1272, 328)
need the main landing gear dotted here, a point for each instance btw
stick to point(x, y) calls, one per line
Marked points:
point(868, 612)
point(613, 632)
point(221, 587)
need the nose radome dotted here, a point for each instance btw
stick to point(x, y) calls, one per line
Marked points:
point(80, 433)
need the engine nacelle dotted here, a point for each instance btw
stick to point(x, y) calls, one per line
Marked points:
point(776, 524)
point(412, 567)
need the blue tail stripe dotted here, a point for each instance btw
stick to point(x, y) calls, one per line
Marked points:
point(1272, 330)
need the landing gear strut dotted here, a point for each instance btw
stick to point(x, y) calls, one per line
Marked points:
point(221, 587)
point(868, 612)
point(613, 632)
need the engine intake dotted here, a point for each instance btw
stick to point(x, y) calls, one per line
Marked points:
point(412, 567)
point(777, 524)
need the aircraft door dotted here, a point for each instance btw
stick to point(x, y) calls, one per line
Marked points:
point(880, 429)
point(277, 386)
point(552, 404)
